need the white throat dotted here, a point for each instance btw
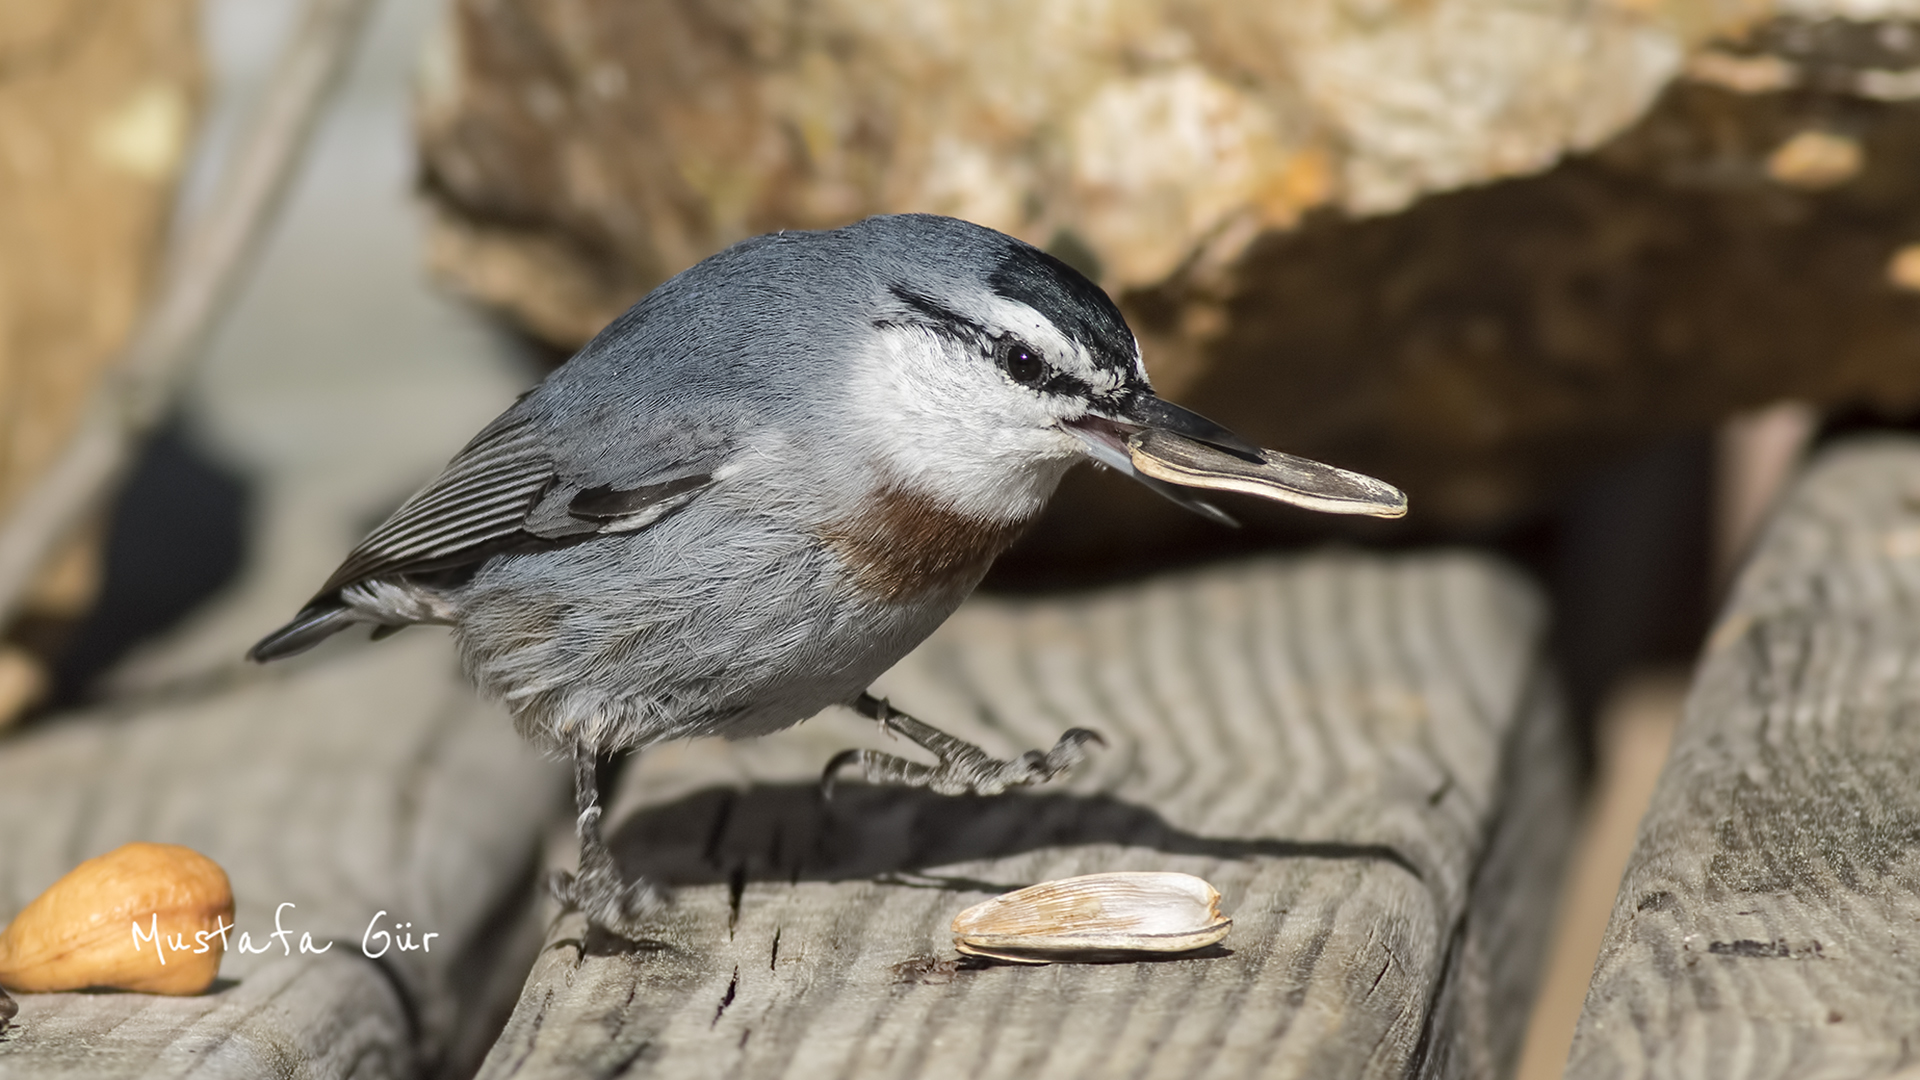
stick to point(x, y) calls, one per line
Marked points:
point(951, 428)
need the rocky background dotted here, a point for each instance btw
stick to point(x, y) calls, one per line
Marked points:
point(1480, 248)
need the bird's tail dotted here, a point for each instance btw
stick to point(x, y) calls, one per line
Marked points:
point(315, 623)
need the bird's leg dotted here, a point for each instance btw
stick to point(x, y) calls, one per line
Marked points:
point(963, 768)
point(597, 890)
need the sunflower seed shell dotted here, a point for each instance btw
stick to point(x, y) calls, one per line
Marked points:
point(1094, 915)
point(1176, 459)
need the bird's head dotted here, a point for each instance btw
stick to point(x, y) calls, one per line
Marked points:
point(996, 366)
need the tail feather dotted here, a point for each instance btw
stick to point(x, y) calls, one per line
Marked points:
point(314, 624)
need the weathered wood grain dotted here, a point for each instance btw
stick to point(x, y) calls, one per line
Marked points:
point(1480, 1015)
point(362, 780)
point(1766, 924)
point(1329, 741)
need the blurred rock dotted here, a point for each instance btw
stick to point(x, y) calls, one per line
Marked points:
point(1143, 135)
point(97, 103)
point(1475, 247)
point(1487, 348)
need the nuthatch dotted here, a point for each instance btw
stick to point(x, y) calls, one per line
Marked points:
point(766, 482)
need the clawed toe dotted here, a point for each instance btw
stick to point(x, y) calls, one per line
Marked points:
point(614, 905)
point(878, 768)
point(1071, 750)
point(963, 768)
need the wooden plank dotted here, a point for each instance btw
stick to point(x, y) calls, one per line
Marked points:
point(1480, 1016)
point(1764, 927)
point(1323, 739)
point(361, 780)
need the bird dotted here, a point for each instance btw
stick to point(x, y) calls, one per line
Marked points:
point(759, 488)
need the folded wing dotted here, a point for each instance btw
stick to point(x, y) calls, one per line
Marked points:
point(508, 490)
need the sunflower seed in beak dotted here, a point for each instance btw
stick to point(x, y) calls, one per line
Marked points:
point(1096, 916)
point(1176, 459)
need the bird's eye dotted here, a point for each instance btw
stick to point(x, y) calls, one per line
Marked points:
point(1022, 363)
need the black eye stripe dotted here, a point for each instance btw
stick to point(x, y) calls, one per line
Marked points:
point(1035, 371)
point(1070, 386)
point(958, 328)
point(941, 320)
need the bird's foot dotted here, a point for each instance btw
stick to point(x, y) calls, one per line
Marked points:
point(962, 768)
point(601, 894)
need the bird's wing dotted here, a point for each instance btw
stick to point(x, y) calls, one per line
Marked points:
point(481, 497)
point(508, 489)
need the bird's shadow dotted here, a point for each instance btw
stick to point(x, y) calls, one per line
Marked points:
point(790, 833)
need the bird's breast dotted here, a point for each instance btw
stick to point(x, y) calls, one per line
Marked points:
point(903, 546)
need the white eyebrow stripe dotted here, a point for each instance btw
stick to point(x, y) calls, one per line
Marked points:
point(1001, 316)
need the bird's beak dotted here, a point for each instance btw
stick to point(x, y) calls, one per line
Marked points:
point(1169, 449)
point(1150, 413)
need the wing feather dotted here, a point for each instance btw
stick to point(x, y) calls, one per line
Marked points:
point(507, 489)
point(483, 496)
